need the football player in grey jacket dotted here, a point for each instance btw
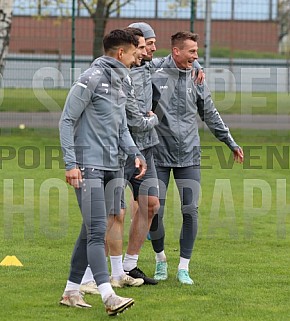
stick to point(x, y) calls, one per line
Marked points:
point(177, 101)
point(93, 129)
point(141, 122)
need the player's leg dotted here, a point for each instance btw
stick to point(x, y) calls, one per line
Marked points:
point(188, 182)
point(146, 193)
point(157, 231)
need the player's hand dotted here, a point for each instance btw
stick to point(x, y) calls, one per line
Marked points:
point(238, 155)
point(141, 165)
point(73, 177)
point(199, 79)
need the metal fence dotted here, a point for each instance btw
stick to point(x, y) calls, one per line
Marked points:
point(239, 33)
point(242, 75)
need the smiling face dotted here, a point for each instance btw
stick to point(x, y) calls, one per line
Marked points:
point(141, 52)
point(185, 54)
point(127, 55)
point(150, 48)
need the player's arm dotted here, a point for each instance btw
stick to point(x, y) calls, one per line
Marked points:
point(76, 102)
point(198, 73)
point(135, 119)
point(127, 144)
point(209, 114)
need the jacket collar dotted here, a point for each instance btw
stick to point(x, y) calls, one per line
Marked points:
point(115, 65)
point(173, 69)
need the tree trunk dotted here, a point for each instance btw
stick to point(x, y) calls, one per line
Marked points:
point(284, 22)
point(100, 18)
point(5, 28)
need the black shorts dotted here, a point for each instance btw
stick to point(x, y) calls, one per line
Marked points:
point(148, 184)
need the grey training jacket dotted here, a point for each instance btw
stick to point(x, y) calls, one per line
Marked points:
point(177, 101)
point(93, 125)
point(138, 88)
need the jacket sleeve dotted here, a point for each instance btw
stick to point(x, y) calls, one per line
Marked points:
point(209, 114)
point(126, 141)
point(76, 102)
point(196, 65)
point(135, 119)
point(156, 63)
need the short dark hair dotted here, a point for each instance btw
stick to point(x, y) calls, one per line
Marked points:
point(178, 38)
point(135, 31)
point(117, 38)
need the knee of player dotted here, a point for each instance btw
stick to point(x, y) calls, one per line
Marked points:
point(190, 209)
point(120, 218)
point(153, 205)
point(97, 237)
point(116, 218)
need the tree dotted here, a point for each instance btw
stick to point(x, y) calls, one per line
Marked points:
point(174, 5)
point(100, 11)
point(5, 28)
point(284, 26)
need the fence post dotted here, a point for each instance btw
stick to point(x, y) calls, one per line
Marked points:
point(73, 41)
point(192, 12)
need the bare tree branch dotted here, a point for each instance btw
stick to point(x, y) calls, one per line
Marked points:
point(5, 28)
point(119, 6)
point(89, 9)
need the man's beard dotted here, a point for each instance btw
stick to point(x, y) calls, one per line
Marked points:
point(147, 58)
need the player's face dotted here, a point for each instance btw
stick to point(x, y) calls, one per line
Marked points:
point(150, 48)
point(185, 55)
point(141, 52)
point(128, 56)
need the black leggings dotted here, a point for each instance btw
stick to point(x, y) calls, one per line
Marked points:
point(187, 180)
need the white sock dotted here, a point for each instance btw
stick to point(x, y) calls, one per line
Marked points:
point(130, 262)
point(71, 286)
point(117, 267)
point(105, 290)
point(88, 276)
point(183, 264)
point(160, 257)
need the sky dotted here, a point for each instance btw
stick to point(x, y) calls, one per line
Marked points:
point(221, 9)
